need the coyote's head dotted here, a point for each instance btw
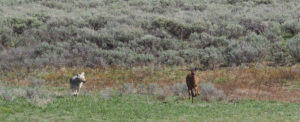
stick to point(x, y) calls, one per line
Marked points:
point(81, 77)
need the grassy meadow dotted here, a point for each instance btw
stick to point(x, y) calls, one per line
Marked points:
point(146, 94)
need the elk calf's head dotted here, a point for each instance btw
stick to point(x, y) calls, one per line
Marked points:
point(193, 73)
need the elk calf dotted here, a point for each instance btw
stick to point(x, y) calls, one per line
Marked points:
point(76, 83)
point(192, 84)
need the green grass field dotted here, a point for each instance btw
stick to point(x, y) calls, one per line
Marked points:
point(145, 108)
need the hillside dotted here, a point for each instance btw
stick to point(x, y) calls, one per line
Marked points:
point(213, 33)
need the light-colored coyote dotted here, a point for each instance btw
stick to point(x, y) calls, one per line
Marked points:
point(76, 83)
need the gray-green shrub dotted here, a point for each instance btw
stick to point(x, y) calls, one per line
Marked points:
point(180, 89)
point(126, 88)
point(253, 48)
point(292, 27)
point(294, 47)
point(279, 52)
point(212, 57)
point(209, 92)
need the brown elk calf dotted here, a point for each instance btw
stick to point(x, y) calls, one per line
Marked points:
point(192, 82)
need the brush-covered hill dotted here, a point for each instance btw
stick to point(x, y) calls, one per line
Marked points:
point(38, 33)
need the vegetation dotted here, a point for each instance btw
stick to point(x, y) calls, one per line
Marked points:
point(256, 81)
point(135, 54)
point(131, 107)
point(140, 94)
point(147, 33)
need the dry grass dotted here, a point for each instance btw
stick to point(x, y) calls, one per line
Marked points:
point(102, 77)
point(269, 83)
point(264, 83)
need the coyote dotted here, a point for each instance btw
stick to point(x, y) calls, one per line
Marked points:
point(76, 83)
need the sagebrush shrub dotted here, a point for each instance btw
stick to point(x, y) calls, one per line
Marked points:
point(6, 37)
point(106, 41)
point(46, 48)
point(89, 4)
point(253, 24)
point(36, 82)
point(126, 88)
point(180, 89)
point(257, 41)
point(6, 94)
point(279, 52)
point(167, 3)
point(206, 40)
point(30, 92)
point(171, 57)
point(191, 55)
point(19, 25)
point(200, 7)
point(143, 59)
point(97, 22)
point(141, 89)
point(212, 57)
point(264, 1)
point(107, 93)
point(234, 30)
point(194, 36)
point(235, 1)
point(229, 29)
point(41, 16)
point(14, 57)
point(161, 33)
point(242, 52)
point(178, 29)
point(292, 27)
point(53, 4)
point(122, 33)
point(154, 88)
point(253, 48)
point(209, 92)
point(149, 42)
point(294, 47)
point(201, 26)
point(171, 44)
point(273, 32)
